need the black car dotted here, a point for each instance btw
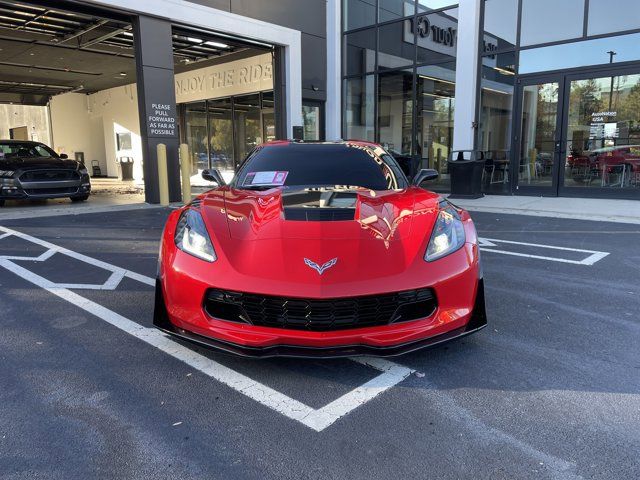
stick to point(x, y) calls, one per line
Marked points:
point(31, 170)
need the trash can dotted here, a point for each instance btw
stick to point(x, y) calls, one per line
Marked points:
point(126, 168)
point(465, 169)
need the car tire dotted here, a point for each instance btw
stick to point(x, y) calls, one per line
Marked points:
point(80, 199)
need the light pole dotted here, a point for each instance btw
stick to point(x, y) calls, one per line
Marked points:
point(611, 55)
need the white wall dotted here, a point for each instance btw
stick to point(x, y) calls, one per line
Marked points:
point(89, 123)
point(70, 125)
point(118, 109)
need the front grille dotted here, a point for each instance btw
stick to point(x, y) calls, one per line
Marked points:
point(320, 315)
point(50, 191)
point(49, 175)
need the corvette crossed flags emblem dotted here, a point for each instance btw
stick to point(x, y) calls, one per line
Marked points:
point(321, 268)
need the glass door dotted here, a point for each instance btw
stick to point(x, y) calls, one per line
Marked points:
point(539, 136)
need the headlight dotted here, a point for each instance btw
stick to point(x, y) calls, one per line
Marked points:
point(448, 235)
point(192, 237)
point(6, 173)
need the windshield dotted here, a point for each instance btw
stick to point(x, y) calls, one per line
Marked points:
point(313, 165)
point(25, 150)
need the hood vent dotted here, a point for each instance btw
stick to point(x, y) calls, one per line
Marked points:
point(319, 214)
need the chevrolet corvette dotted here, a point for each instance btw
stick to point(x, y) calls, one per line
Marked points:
point(319, 250)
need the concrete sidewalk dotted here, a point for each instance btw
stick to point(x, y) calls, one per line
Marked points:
point(596, 209)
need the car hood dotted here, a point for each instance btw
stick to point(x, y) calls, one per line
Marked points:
point(16, 163)
point(270, 233)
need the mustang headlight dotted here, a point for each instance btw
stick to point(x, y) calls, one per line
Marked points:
point(191, 236)
point(448, 235)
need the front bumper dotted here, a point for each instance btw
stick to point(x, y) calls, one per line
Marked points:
point(14, 188)
point(476, 321)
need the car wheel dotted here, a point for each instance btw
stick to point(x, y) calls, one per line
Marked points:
point(79, 199)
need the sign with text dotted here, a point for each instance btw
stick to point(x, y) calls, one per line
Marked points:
point(248, 75)
point(161, 120)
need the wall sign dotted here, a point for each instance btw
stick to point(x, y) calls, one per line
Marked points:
point(435, 32)
point(248, 75)
point(161, 120)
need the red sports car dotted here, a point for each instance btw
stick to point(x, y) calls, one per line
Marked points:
point(319, 250)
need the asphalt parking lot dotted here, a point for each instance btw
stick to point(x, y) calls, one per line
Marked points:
point(550, 389)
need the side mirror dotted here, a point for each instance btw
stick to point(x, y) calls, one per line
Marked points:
point(213, 175)
point(64, 156)
point(424, 175)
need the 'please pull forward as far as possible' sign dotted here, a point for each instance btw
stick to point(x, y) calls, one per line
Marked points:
point(161, 121)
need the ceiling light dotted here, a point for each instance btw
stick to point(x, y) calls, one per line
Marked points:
point(123, 74)
point(194, 40)
point(216, 44)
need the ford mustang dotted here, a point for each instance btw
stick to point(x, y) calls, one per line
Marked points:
point(31, 170)
point(319, 250)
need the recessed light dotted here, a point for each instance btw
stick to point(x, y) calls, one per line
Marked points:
point(216, 44)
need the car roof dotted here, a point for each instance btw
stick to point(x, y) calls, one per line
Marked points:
point(317, 142)
point(21, 141)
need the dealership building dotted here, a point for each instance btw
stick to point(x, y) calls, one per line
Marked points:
point(547, 90)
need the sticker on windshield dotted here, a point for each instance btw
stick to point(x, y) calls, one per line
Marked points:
point(266, 178)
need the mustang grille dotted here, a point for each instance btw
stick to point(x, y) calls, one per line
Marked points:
point(320, 315)
point(49, 175)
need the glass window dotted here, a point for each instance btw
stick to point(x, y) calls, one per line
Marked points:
point(268, 117)
point(323, 165)
point(607, 16)
point(578, 54)
point(500, 24)
point(311, 120)
point(395, 111)
point(437, 36)
point(603, 135)
point(221, 135)
point(394, 9)
point(248, 125)
point(361, 52)
point(358, 13)
point(396, 44)
point(550, 20)
point(359, 112)
point(427, 5)
point(436, 107)
point(494, 126)
point(196, 135)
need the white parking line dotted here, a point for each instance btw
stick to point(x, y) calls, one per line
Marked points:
point(316, 419)
point(112, 283)
point(488, 244)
